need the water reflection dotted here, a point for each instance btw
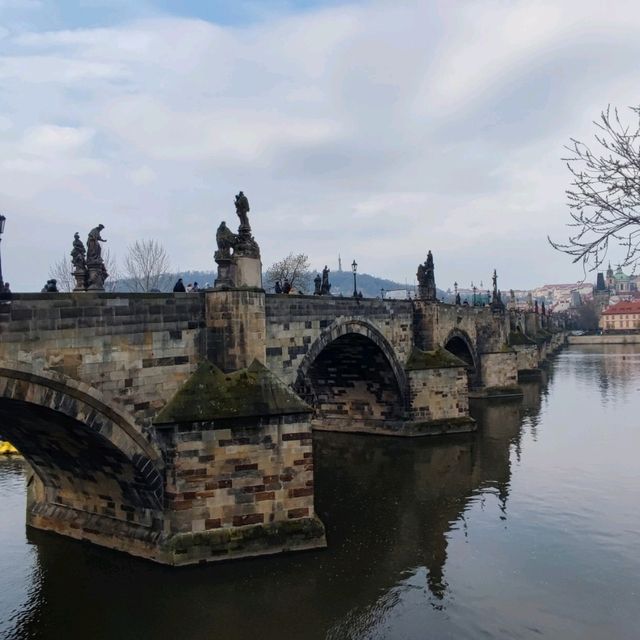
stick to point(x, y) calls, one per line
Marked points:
point(427, 538)
point(611, 368)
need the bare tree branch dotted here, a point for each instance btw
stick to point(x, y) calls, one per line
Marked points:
point(604, 196)
point(146, 265)
point(294, 268)
point(60, 270)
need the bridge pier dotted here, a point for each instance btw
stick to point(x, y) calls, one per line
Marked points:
point(239, 468)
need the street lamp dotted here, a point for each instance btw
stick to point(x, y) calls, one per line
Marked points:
point(354, 268)
point(382, 293)
point(474, 295)
point(2, 221)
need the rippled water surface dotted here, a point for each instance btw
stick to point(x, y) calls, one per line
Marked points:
point(529, 528)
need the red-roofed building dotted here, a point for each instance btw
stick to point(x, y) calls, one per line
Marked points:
point(622, 316)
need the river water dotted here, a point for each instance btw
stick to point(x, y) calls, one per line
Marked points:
point(529, 528)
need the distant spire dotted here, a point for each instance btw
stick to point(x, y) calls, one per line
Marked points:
point(339, 263)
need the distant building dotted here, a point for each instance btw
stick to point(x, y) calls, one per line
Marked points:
point(619, 283)
point(624, 316)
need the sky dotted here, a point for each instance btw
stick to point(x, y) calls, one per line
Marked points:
point(376, 130)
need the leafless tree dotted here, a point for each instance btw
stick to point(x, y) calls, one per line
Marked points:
point(146, 265)
point(604, 197)
point(62, 269)
point(294, 268)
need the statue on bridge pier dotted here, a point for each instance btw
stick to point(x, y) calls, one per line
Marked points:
point(97, 273)
point(426, 280)
point(246, 245)
point(496, 297)
point(79, 263)
point(325, 288)
point(238, 255)
point(242, 209)
point(226, 241)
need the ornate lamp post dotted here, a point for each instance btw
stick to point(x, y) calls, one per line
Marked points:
point(354, 268)
point(475, 289)
point(382, 293)
point(2, 221)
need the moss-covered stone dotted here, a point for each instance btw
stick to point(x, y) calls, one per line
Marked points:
point(438, 359)
point(518, 339)
point(253, 539)
point(209, 394)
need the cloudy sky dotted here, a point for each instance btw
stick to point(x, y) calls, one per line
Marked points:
point(375, 129)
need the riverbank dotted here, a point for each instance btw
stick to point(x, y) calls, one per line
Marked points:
point(609, 338)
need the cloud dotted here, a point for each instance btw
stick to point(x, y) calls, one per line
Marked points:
point(378, 130)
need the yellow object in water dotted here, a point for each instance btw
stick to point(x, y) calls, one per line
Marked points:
point(6, 448)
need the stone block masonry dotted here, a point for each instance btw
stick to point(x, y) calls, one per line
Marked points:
point(239, 488)
point(136, 350)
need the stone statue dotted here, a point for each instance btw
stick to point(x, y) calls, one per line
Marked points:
point(226, 240)
point(242, 209)
point(79, 263)
point(426, 280)
point(458, 299)
point(317, 283)
point(94, 251)
point(535, 307)
point(96, 271)
point(78, 253)
point(325, 287)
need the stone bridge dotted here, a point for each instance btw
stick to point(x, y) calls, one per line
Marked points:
point(177, 427)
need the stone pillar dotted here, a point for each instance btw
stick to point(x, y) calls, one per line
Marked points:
point(498, 375)
point(236, 327)
point(238, 468)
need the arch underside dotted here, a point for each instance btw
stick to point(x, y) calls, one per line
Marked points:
point(79, 469)
point(93, 473)
point(351, 383)
point(460, 346)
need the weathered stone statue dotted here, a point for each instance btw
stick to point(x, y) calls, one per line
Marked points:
point(94, 251)
point(496, 296)
point(242, 209)
point(78, 252)
point(97, 273)
point(325, 288)
point(241, 268)
point(317, 283)
point(426, 280)
point(79, 263)
point(226, 241)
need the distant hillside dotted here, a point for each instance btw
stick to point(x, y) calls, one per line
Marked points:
point(341, 283)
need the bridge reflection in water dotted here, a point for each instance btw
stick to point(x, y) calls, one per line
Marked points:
point(390, 506)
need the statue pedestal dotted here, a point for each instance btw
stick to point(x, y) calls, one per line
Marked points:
point(248, 272)
point(81, 279)
point(225, 272)
point(97, 276)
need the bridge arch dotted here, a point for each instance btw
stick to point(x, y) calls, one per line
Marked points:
point(90, 458)
point(352, 373)
point(459, 343)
